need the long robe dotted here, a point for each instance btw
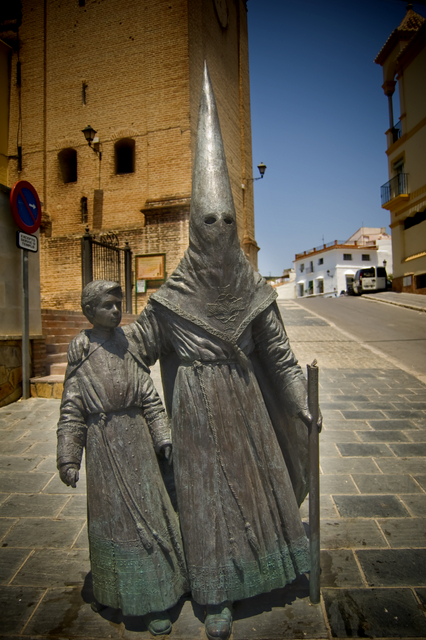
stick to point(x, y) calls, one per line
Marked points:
point(110, 405)
point(238, 510)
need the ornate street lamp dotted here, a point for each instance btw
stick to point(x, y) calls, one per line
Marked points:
point(89, 134)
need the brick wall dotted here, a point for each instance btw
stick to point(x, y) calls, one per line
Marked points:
point(398, 286)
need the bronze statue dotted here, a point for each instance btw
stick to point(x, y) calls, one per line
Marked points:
point(110, 407)
point(237, 401)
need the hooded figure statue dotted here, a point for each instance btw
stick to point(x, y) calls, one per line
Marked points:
point(236, 398)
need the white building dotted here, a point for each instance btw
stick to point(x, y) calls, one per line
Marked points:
point(330, 268)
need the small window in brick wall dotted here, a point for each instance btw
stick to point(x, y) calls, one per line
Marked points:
point(124, 156)
point(347, 256)
point(320, 260)
point(365, 257)
point(83, 209)
point(68, 165)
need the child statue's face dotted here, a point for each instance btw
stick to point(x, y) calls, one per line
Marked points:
point(108, 312)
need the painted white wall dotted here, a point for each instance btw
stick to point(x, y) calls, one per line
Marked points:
point(334, 268)
point(286, 291)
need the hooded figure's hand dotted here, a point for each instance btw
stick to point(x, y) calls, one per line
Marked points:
point(69, 474)
point(168, 453)
point(78, 348)
point(306, 417)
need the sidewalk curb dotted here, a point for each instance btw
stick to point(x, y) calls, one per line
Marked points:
point(396, 304)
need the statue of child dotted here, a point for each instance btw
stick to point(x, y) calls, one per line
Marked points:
point(111, 408)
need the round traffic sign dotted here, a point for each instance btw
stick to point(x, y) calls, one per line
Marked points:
point(25, 206)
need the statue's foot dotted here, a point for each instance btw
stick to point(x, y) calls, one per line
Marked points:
point(219, 621)
point(97, 607)
point(158, 623)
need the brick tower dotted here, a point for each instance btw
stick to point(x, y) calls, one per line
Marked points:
point(132, 70)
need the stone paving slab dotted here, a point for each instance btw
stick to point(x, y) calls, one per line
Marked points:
point(374, 613)
point(373, 515)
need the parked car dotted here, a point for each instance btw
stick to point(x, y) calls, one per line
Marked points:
point(370, 280)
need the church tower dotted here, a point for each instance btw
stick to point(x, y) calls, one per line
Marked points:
point(132, 72)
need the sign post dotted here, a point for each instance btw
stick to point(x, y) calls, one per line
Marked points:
point(26, 211)
point(25, 326)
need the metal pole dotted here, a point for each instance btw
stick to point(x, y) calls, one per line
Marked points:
point(128, 277)
point(314, 481)
point(25, 326)
point(86, 258)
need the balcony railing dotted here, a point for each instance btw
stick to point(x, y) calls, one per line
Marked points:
point(336, 243)
point(395, 187)
point(396, 131)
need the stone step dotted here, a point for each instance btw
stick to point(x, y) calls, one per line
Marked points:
point(53, 358)
point(47, 387)
point(58, 368)
point(60, 336)
point(56, 347)
point(52, 327)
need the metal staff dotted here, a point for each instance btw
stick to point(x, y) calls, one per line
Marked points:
point(314, 489)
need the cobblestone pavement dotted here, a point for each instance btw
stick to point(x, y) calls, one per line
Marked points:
point(373, 515)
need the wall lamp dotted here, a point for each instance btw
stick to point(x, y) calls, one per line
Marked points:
point(89, 134)
point(262, 169)
point(329, 274)
point(385, 263)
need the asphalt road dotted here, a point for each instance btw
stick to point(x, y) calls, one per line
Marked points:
point(397, 332)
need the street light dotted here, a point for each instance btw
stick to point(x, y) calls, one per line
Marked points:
point(262, 169)
point(89, 134)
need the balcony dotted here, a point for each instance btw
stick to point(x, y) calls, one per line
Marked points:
point(397, 186)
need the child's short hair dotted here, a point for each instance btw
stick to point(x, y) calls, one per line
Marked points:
point(93, 292)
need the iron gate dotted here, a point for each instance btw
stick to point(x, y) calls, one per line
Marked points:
point(103, 259)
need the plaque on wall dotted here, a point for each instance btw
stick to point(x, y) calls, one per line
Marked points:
point(151, 267)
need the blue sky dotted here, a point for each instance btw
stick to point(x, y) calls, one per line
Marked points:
point(319, 116)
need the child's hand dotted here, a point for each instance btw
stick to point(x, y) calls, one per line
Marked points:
point(69, 474)
point(168, 453)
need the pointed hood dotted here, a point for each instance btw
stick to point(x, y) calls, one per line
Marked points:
point(213, 221)
point(214, 285)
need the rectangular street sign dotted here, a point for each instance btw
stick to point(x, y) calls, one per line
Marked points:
point(26, 241)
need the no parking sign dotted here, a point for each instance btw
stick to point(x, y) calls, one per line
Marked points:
point(25, 206)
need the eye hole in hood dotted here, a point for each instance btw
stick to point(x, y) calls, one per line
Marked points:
point(210, 219)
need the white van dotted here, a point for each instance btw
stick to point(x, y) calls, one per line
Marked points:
point(369, 280)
